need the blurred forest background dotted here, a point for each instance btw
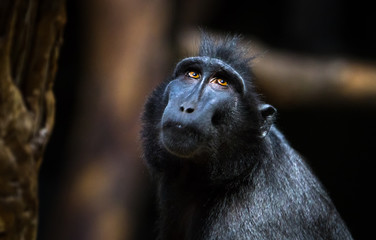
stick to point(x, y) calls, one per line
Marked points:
point(316, 66)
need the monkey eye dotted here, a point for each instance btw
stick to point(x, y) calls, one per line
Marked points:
point(219, 81)
point(193, 74)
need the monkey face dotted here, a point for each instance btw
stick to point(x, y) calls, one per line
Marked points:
point(201, 100)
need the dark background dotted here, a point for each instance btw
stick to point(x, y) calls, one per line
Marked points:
point(337, 140)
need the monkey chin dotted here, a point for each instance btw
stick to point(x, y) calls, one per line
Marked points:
point(183, 142)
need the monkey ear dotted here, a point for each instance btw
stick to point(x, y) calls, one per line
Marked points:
point(268, 116)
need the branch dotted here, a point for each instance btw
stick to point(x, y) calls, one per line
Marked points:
point(292, 80)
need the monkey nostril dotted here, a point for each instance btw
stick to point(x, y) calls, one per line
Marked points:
point(189, 110)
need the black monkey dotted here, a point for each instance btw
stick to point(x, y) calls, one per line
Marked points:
point(223, 170)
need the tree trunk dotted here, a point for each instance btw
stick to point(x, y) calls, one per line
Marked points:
point(30, 39)
point(126, 54)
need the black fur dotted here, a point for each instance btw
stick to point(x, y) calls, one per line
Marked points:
point(224, 171)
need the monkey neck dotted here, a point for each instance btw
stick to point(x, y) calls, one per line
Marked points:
point(215, 170)
point(188, 189)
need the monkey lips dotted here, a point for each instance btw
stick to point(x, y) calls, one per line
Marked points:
point(180, 139)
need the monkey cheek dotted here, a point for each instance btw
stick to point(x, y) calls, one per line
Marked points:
point(180, 142)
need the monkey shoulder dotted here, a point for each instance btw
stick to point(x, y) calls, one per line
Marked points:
point(281, 200)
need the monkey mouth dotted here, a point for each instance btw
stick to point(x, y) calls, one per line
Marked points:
point(180, 139)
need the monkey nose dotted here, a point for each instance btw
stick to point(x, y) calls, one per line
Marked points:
point(186, 109)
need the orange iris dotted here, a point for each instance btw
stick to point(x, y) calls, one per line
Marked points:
point(219, 81)
point(193, 74)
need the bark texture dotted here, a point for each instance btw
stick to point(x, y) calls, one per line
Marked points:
point(30, 39)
